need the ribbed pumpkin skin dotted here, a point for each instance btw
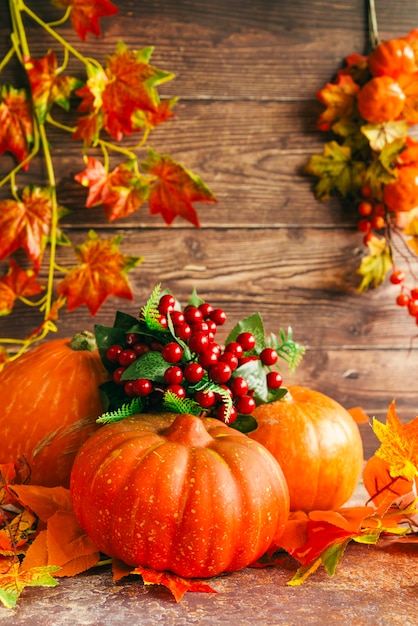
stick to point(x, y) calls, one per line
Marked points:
point(317, 444)
point(49, 404)
point(179, 493)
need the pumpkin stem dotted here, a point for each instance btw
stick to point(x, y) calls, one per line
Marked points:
point(84, 340)
point(189, 430)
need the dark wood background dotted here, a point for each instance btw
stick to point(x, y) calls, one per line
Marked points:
point(247, 72)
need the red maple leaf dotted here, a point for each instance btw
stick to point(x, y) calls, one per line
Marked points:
point(175, 189)
point(101, 273)
point(121, 192)
point(118, 97)
point(47, 86)
point(16, 127)
point(15, 284)
point(26, 224)
point(85, 14)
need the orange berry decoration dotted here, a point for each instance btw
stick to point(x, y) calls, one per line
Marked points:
point(392, 58)
point(381, 100)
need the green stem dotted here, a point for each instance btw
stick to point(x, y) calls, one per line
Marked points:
point(372, 25)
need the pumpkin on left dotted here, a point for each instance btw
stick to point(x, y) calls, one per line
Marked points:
point(49, 405)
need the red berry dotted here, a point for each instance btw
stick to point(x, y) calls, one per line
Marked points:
point(201, 326)
point(378, 222)
point(163, 321)
point(397, 277)
point(206, 309)
point(132, 339)
point(245, 405)
point(178, 390)
point(183, 331)
point(274, 380)
point(364, 225)
point(126, 357)
point(198, 342)
point(193, 372)
point(117, 375)
point(156, 346)
point(246, 340)
point(218, 316)
point(177, 317)
point(269, 356)
point(140, 349)
point(172, 352)
point(207, 358)
point(206, 399)
point(166, 304)
point(414, 293)
point(402, 300)
point(230, 358)
point(220, 372)
point(192, 314)
point(413, 307)
point(365, 208)
point(142, 387)
point(239, 386)
point(246, 359)
point(113, 352)
point(234, 347)
point(173, 375)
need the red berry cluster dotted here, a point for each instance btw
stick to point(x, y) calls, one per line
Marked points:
point(193, 357)
point(407, 298)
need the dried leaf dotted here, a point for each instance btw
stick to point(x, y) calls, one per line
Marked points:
point(176, 584)
point(339, 99)
point(359, 415)
point(376, 265)
point(13, 580)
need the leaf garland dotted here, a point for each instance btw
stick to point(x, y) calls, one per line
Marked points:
point(113, 100)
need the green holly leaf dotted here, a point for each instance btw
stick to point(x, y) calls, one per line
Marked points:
point(336, 170)
point(150, 365)
point(252, 324)
point(253, 372)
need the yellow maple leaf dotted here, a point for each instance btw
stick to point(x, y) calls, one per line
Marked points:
point(13, 580)
point(399, 444)
point(376, 265)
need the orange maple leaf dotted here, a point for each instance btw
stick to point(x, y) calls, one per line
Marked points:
point(176, 584)
point(15, 284)
point(47, 86)
point(175, 189)
point(85, 14)
point(100, 273)
point(16, 127)
point(399, 444)
point(383, 488)
point(26, 223)
point(340, 100)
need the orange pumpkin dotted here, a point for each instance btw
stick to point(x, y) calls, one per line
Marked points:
point(49, 403)
point(402, 194)
point(392, 58)
point(179, 493)
point(380, 100)
point(317, 444)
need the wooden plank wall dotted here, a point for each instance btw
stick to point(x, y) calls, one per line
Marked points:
point(246, 74)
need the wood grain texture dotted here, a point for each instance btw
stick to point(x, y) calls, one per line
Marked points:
point(246, 74)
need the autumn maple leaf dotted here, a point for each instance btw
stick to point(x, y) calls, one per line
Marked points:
point(374, 266)
point(399, 444)
point(15, 284)
point(112, 97)
point(16, 126)
point(336, 170)
point(13, 580)
point(175, 189)
point(26, 223)
point(339, 98)
point(411, 229)
point(47, 86)
point(85, 14)
point(101, 273)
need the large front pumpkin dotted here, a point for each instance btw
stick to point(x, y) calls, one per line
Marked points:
point(49, 403)
point(317, 444)
point(179, 493)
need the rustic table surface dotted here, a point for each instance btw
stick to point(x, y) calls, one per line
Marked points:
point(372, 586)
point(247, 72)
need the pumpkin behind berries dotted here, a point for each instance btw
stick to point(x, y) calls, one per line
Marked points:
point(317, 444)
point(49, 403)
point(380, 100)
point(179, 493)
